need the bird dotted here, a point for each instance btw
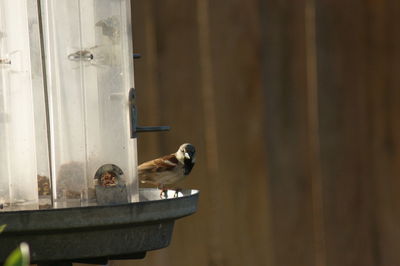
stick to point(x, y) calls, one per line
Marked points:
point(166, 171)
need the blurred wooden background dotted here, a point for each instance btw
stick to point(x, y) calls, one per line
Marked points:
point(294, 108)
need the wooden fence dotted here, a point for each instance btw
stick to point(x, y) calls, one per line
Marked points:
point(294, 107)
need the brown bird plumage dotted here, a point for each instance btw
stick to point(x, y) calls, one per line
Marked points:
point(168, 170)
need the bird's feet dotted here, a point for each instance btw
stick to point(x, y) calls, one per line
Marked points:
point(177, 191)
point(164, 193)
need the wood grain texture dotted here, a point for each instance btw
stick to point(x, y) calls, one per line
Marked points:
point(358, 103)
point(383, 98)
point(348, 199)
point(287, 132)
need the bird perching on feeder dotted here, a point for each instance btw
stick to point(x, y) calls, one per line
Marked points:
point(166, 171)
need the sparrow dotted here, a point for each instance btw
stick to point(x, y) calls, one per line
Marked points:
point(168, 170)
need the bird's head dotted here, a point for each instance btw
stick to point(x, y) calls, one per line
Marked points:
point(186, 152)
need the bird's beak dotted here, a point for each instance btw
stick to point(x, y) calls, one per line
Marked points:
point(187, 156)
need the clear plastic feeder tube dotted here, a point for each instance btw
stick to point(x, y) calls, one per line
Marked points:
point(21, 97)
point(89, 74)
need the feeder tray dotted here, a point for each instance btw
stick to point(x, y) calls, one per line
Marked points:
point(97, 234)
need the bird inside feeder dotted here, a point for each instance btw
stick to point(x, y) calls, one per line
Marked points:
point(110, 185)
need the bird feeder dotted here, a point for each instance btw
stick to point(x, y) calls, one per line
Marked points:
point(66, 74)
point(67, 116)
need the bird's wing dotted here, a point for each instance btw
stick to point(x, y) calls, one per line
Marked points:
point(149, 169)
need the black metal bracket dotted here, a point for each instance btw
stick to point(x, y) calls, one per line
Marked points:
point(152, 129)
point(100, 260)
point(133, 118)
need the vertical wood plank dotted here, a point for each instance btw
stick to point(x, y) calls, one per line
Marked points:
point(287, 116)
point(235, 34)
point(383, 98)
point(342, 57)
point(313, 134)
point(214, 243)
